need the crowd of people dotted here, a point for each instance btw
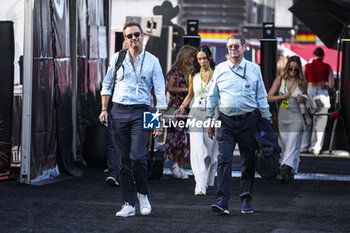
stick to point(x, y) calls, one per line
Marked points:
point(232, 92)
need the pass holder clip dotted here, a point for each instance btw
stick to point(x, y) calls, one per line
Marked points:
point(202, 104)
point(285, 103)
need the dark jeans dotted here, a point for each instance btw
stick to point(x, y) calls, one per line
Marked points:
point(230, 132)
point(112, 157)
point(130, 141)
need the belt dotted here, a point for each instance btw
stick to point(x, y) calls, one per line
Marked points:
point(241, 117)
point(131, 106)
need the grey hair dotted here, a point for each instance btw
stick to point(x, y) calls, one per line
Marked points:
point(238, 37)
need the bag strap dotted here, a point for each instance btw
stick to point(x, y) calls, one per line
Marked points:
point(118, 64)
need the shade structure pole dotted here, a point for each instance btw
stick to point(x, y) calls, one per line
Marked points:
point(27, 91)
point(345, 83)
point(73, 47)
point(337, 87)
point(169, 48)
point(268, 60)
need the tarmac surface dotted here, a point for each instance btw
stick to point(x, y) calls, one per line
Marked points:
point(87, 204)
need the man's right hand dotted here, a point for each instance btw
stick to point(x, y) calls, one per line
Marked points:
point(103, 117)
point(211, 132)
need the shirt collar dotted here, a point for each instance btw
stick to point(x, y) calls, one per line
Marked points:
point(140, 56)
point(242, 64)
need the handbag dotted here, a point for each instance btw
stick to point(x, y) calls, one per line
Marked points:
point(311, 105)
point(267, 155)
point(267, 162)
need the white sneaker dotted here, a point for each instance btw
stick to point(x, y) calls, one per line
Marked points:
point(145, 206)
point(314, 151)
point(126, 211)
point(184, 174)
point(176, 171)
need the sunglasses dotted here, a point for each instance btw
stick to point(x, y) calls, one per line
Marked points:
point(233, 47)
point(136, 34)
point(293, 69)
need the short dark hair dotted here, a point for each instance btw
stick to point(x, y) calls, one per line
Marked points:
point(131, 24)
point(319, 52)
point(238, 37)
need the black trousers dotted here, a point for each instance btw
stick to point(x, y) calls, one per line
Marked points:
point(231, 132)
point(131, 141)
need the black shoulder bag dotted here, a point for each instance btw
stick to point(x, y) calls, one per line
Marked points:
point(118, 64)
point(268, 153)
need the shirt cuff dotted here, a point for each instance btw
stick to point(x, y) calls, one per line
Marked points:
point(266, 115)
point(106, 92)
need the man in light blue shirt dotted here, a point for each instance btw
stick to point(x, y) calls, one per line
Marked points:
point(140, 71)
point(239, 88)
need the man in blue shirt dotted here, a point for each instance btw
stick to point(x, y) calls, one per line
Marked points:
point(139, 72)
point(239, 88)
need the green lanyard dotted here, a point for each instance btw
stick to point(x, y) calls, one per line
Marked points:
point(137, 77)
point(285, 86)
point(186, 80)
point(203, 88)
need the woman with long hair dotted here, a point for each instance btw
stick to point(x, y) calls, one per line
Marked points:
point(204, 151)
point(290, 88)
point(177, 146)
point(320, 77)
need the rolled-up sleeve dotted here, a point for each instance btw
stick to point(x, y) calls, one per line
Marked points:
point(261, 97)
point(159, 86)
point(109, 76)
point(212, 98)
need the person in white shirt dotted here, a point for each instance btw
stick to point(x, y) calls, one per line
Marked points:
point(204, 151)
point(239, 86)
point(139, 72)
point(289, 88)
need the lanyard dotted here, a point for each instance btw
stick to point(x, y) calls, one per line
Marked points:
point(285, 85)
point(239, 75)
point(137, 77)
point(203, 88)
point(186, 80)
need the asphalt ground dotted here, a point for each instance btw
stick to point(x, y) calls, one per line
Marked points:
point(87, 204)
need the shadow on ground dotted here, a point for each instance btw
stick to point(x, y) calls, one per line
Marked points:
point(87, 204)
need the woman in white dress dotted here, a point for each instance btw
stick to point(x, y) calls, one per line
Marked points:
point(204, 151)
point(290, 86)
